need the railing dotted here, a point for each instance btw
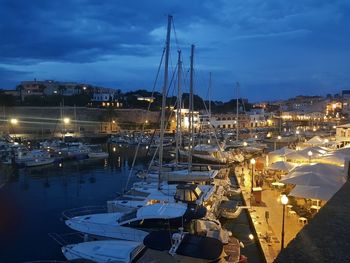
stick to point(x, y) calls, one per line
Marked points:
point(85, 210)
point(68, 238)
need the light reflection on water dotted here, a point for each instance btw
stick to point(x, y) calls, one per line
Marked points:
point(32, 200)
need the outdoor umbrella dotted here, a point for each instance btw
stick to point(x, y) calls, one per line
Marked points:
point(281, 166)
point(314, 192)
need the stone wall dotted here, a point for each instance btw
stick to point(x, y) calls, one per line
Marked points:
point(45, 120)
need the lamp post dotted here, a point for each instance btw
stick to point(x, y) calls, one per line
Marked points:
point(66, 121)
point(13, 123)
point(278, 138)
point(252, 162)
point(309, 153)
point(284, 201)
point(297, 133)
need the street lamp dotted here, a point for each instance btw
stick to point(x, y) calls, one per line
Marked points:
point(309, 153)
point(275, 142)
point(245, 144)
point(297, 132)
point(13, 123)
point(66, 120)
point(252, 162)
point(284, 201)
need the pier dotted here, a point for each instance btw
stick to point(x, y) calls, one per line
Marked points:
point(266, 216)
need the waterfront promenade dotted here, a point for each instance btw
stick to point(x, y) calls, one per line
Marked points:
point(268, 231)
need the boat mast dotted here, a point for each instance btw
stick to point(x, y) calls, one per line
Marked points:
point(191, 108)
point(165, 87)
point(237, 129)
point(209, 106)
point(178, 108)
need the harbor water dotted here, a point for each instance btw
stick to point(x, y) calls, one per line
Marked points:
point(32, 201)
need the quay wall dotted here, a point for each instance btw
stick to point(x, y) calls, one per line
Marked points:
point(46, 120)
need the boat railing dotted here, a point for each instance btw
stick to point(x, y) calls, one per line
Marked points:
point(45, 261)
point(85, 210)
point(68, 238)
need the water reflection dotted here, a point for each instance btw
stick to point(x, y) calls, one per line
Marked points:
point(32, 200)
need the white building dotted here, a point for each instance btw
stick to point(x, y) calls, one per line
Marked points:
point(342, 134)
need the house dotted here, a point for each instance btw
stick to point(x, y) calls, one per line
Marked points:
point(106, 99)
point(342, 134)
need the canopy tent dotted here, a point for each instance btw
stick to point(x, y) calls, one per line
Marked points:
point(278, 155)
point(303, 155)
point(310, 179)
point(336, 158)
point(314, 192)
point(281, 166)
point(316, 140)
point(282, 152)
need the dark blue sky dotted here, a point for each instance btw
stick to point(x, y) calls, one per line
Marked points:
point(275, 49)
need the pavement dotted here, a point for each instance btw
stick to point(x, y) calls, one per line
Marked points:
point(268, 230)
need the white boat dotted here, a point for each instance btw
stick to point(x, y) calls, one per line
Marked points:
point(39, 162)
point(230, 209)
point(163, 246)
point(95, 152)
point(148, 194)
point(104, 251)
point(157, 247)
point(136, 224)
point(33, 158)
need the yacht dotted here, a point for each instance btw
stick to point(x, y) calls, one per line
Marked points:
point(104, 251)
point(136, 224)
point(157, 247)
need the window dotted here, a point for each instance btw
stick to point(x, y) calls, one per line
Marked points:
point(128, 216)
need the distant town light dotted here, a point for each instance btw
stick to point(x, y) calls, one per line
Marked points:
point(245, 144)
point(279, 137)
point(297, 132)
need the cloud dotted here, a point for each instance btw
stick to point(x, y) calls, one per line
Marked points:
point(119, 43)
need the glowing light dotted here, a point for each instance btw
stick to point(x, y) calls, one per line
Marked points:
point(252, 161)
point(284, 199)
point(66, 120)
point(309, 153)
point(245, 144)
point(114, 149)
point(14, 121)
point(251, 237)
point(279, 137)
